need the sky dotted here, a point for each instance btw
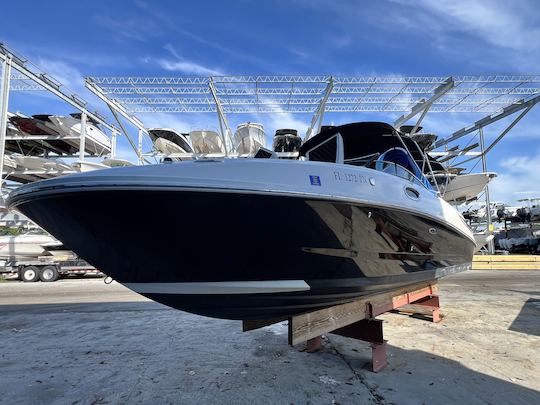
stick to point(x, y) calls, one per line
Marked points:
point(329, 37)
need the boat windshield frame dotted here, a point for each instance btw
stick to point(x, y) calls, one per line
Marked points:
point(410, 176)
point(369, 161)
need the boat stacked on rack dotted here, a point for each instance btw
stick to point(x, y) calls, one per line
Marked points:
point(25, 169)
point(249, 138)
point(88, 166)
point(171, 143)
point(54, 133)
point(34, 145)
point(366, 220)
point(208, 143)
point(459, 188)
point(95, 143)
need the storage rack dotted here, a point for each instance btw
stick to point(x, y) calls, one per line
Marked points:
point(18, 74)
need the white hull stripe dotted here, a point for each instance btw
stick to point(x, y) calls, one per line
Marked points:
point(220, 287)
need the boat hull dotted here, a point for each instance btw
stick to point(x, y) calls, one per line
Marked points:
point(246, 255)
point(467, 187)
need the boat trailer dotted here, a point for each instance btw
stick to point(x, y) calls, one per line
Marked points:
point(357, 319)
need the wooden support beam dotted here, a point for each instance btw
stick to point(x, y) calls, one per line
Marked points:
point(307, 326)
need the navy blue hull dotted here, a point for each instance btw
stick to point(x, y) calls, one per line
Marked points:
point(341, 250)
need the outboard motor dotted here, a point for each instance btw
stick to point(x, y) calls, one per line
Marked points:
point(286, 140)
point(524, 214)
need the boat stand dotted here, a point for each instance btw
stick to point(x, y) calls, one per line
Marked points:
point(357, 319)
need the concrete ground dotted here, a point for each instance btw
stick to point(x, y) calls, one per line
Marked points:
point(84, 342)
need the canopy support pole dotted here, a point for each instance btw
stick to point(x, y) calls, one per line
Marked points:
point(82, 139)
point(227, 135)
point(491, 245)
point(319, 112)
point(4, 99)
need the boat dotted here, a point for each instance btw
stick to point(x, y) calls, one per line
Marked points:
point(249, 138)
point(116, 162)
point(518, 240)
point(31, 126)
point(494, 206)
point(268, 238)
point(96, 142)
point(167, 147)
point(31, 244)
point(84, 166)
point(57, 165)
point(461, 188)
point(530, 212)
point(34, 136)
point(207, 142)
point(9, 163)
point(169, 141)
point(33, 163)
point(89, 166)
point(508, 213)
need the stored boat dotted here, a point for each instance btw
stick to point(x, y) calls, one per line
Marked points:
point(267, 238)
point(89, 166)
point(169, 141)
point(461, 188)
point(116, 162)
point(26, 245)
point(84, 166)
point(96, 142)
point(207, 142)
point(249, 138)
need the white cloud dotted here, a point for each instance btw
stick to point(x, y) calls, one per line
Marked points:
point(519, 179)
point(130, 28)
point(189, 67)
point(71, 80)
point(66, 74)
point(299, 52)
point(505, 24)
point(181, 64)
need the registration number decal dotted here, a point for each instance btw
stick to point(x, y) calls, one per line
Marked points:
point(350, 177)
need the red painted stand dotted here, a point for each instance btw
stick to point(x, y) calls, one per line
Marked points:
point(357, 320)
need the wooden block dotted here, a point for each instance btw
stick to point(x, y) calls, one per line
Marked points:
point(506, 266)
point(507, 258)
point(312, 324)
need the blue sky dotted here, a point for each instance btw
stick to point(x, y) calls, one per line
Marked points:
point(164, 38)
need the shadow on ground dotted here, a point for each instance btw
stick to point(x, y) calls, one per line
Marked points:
point(528, 319)
point(143, 352)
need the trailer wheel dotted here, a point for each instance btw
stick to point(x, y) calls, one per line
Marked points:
point(48, 274)
point(29, 274)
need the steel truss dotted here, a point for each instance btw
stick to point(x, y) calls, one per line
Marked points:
point(303, 94)
point(495, 95)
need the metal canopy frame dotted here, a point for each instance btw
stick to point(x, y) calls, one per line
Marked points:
point(495, 95)
point(304, 94)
